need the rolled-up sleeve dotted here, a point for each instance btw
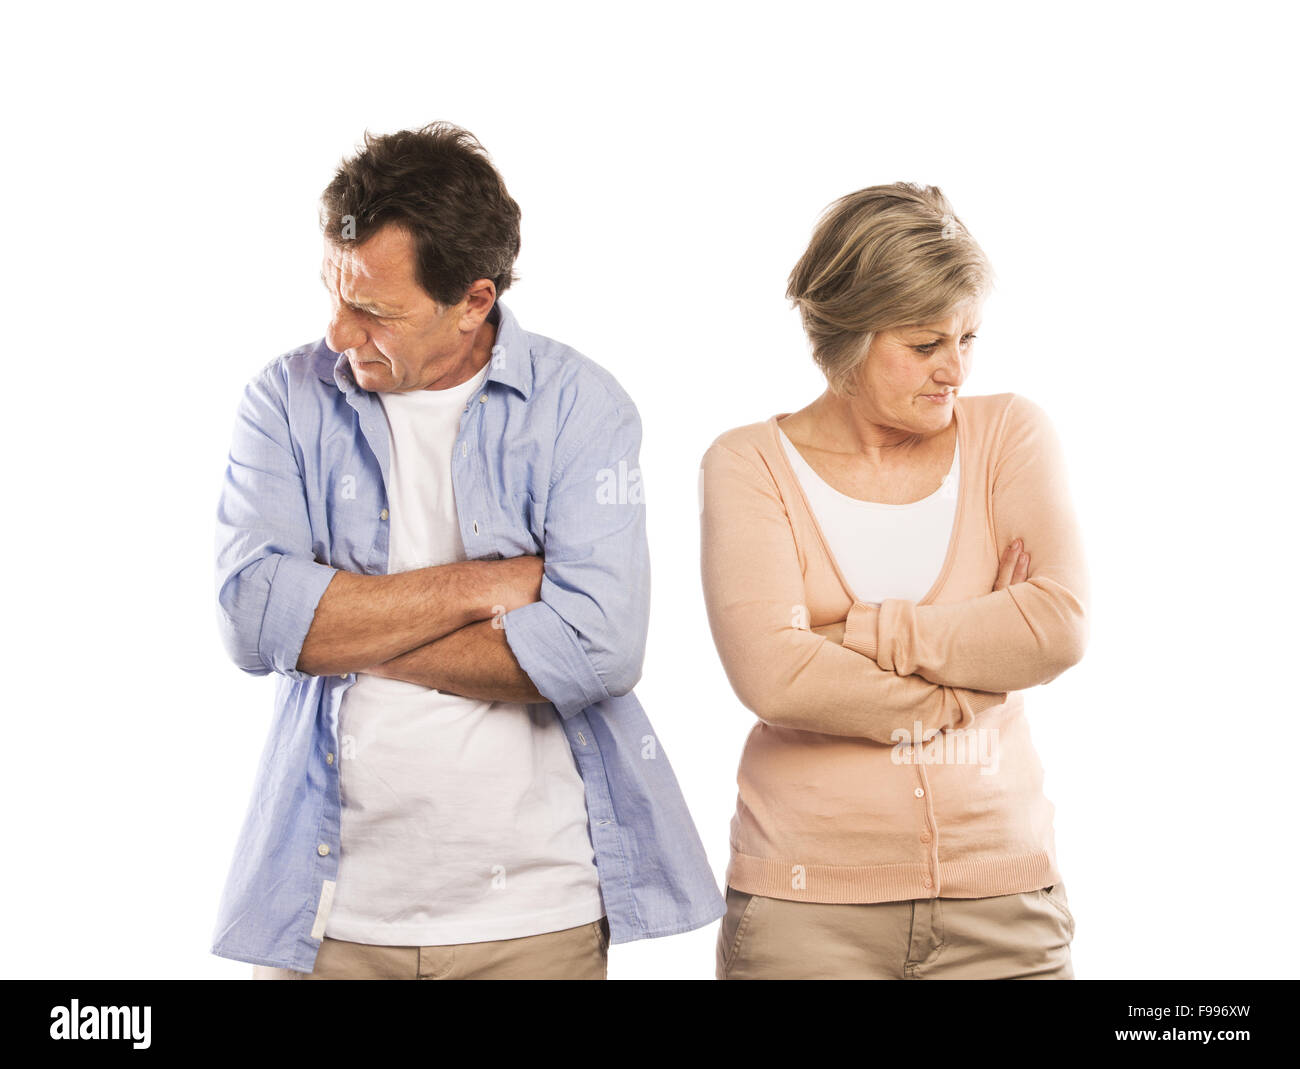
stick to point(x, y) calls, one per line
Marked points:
point(584, 641)
point(268, 580)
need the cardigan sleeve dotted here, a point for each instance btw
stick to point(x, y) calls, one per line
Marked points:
point(1011, 639)
point(784, 673)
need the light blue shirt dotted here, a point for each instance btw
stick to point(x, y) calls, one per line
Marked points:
point(545, 463)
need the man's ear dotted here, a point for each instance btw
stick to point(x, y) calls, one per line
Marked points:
point(478, 301)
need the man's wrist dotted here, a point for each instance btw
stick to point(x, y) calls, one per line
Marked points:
point(475, 590)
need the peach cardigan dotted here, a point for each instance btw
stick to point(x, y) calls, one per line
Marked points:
point(898, 765)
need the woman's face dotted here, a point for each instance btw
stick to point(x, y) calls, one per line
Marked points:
point(911, 375)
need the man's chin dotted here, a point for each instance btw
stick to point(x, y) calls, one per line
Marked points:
point(372, 376)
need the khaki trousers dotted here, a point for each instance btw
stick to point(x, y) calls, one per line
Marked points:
point(1023, 936)
point(579, 953)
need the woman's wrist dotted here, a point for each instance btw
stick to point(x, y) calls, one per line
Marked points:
point(860, 629)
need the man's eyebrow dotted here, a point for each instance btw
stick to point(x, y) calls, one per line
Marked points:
point(364, 306)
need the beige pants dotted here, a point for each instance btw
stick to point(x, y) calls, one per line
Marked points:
point(1023, 936)
point(577, 953)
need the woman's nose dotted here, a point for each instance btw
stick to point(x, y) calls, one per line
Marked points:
point(952, 372)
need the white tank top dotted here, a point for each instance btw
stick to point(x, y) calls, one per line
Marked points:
point(884, 551)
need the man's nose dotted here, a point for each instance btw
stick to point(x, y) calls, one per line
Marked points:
point(343, 332)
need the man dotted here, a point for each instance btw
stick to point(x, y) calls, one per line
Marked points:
point(432, 528)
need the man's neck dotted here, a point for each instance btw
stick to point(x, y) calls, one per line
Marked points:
point(480, 353)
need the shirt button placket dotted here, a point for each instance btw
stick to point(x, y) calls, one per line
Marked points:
point(928, 879)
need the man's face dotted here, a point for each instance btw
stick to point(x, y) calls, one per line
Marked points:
point(394, 335)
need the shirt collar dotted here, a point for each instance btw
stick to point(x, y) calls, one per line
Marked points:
point(510, 364)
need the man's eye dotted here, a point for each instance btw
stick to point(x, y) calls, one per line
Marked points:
point(969, 337)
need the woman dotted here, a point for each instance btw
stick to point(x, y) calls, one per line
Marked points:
point(884, 571)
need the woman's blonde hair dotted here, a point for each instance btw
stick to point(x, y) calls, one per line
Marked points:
point(883, 257)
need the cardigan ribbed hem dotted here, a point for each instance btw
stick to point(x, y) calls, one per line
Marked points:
point(978, 878)
point(860, 629)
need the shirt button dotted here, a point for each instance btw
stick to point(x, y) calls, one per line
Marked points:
point(919, 792)
point(323, 850)
point(329, 758)
point(483, 400)
point(384, 514)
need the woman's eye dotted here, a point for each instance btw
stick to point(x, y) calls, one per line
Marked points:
point(930, 347)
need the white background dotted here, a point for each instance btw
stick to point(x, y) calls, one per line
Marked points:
point(1129, 170)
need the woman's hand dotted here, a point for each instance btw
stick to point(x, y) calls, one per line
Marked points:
point(834, 632)
point(1014, 567)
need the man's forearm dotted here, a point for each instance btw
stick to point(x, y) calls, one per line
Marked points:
point(474, 662)
point(363, 620)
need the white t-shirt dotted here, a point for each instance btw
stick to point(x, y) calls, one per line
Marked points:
point(884, 551)
point(462, 820)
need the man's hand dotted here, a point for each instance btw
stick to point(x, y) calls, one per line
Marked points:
point(520, 581)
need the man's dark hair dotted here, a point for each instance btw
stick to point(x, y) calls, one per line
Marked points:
point(438, 184)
